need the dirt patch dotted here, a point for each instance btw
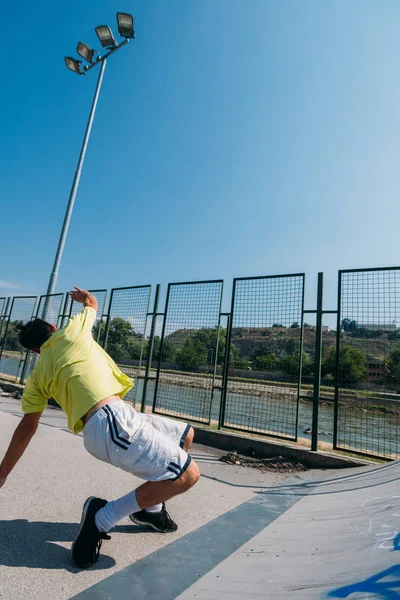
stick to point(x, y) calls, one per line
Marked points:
point(277, 464)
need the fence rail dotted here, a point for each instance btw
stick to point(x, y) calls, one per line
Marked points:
point(259, 368)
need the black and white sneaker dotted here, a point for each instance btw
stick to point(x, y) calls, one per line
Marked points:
point(86, 546)
point(160, 521)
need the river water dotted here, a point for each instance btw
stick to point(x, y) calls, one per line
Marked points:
point(279, 416)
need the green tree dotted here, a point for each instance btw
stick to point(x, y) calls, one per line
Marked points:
point(352, 364)
point(192, 355)
point(123, 342)
point(266, 362)
point(290, 363)
point(119, 331)
point(169, 350)
point(295, 326)
point(12, 340)
point(394, 335)
point(235, 360)
point(348, 325)
point(393, 364)
point(136, 348)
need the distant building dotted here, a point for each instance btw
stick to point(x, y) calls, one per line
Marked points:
point(377, 369)
point(313, 328)
point(387, 327)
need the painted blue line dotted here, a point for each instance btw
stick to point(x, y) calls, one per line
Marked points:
point(196, 553)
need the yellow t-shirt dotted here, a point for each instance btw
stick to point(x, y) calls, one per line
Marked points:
point(75, 371)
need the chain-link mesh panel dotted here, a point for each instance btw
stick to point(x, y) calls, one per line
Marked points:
point(3, 319)
point(12, 354)
point(368, 365)
point(264, 355)
point(99, 325)
point(49, 309)
point(187, 351)
point(125, 331)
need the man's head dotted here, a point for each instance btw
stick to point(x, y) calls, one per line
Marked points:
point(34, 334)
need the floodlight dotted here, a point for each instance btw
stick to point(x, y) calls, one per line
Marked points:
point(86, 52)
point(105, 36)
point(74, 65)
point(125, 25)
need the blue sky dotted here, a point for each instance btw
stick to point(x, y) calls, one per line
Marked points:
point(232, 138)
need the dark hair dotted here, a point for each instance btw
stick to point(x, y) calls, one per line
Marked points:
point(34, 334)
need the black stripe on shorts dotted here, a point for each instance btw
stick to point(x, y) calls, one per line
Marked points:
point(183, 469)
point(116, 438)
point(184, 434)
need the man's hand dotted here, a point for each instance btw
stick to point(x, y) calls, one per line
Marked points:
point(19, 443)
point(84, 297)
point(79, 295)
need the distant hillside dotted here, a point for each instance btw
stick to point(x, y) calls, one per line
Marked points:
point(179, 337)
point(281, 341)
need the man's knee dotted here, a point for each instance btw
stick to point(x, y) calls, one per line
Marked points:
point(189, 477)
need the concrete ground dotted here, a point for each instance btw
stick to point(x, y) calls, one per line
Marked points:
point(241, 533)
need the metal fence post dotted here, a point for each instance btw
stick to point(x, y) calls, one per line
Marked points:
point(6, 318)
point(107, 326)
point(317, 367)
point(336, 406)
point(215, 358)
point(150, 348)
point(64, 315)
point(3, 321)
point(221, 418)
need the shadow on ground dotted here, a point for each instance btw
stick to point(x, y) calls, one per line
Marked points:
point(35, 545)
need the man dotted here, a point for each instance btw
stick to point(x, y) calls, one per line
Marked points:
point(89, 387)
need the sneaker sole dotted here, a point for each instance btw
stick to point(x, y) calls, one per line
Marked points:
point(145, 523)
point(83, 518)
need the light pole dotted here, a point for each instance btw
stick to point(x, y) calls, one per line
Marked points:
point(93, 58)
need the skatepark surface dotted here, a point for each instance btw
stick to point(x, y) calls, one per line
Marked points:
point(242, 533)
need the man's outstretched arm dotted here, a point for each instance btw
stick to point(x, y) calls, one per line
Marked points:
point(84, 297)
point(19, 443)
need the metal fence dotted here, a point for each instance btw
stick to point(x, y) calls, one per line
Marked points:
point(2, 305)
point(188, 351)
point(367, 357)
point(241, 370)
point(49, 308)
point(12, 354)
point(265, 332)
point(125, 328)
point(3, 309)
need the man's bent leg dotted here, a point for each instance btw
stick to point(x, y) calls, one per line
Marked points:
point(153, 492)
point(147, 495)
point(162, 461)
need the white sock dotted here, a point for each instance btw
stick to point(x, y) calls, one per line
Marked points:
point(154, 509)
point(108, 516)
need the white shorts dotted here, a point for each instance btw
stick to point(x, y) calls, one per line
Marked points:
point(147, 446)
